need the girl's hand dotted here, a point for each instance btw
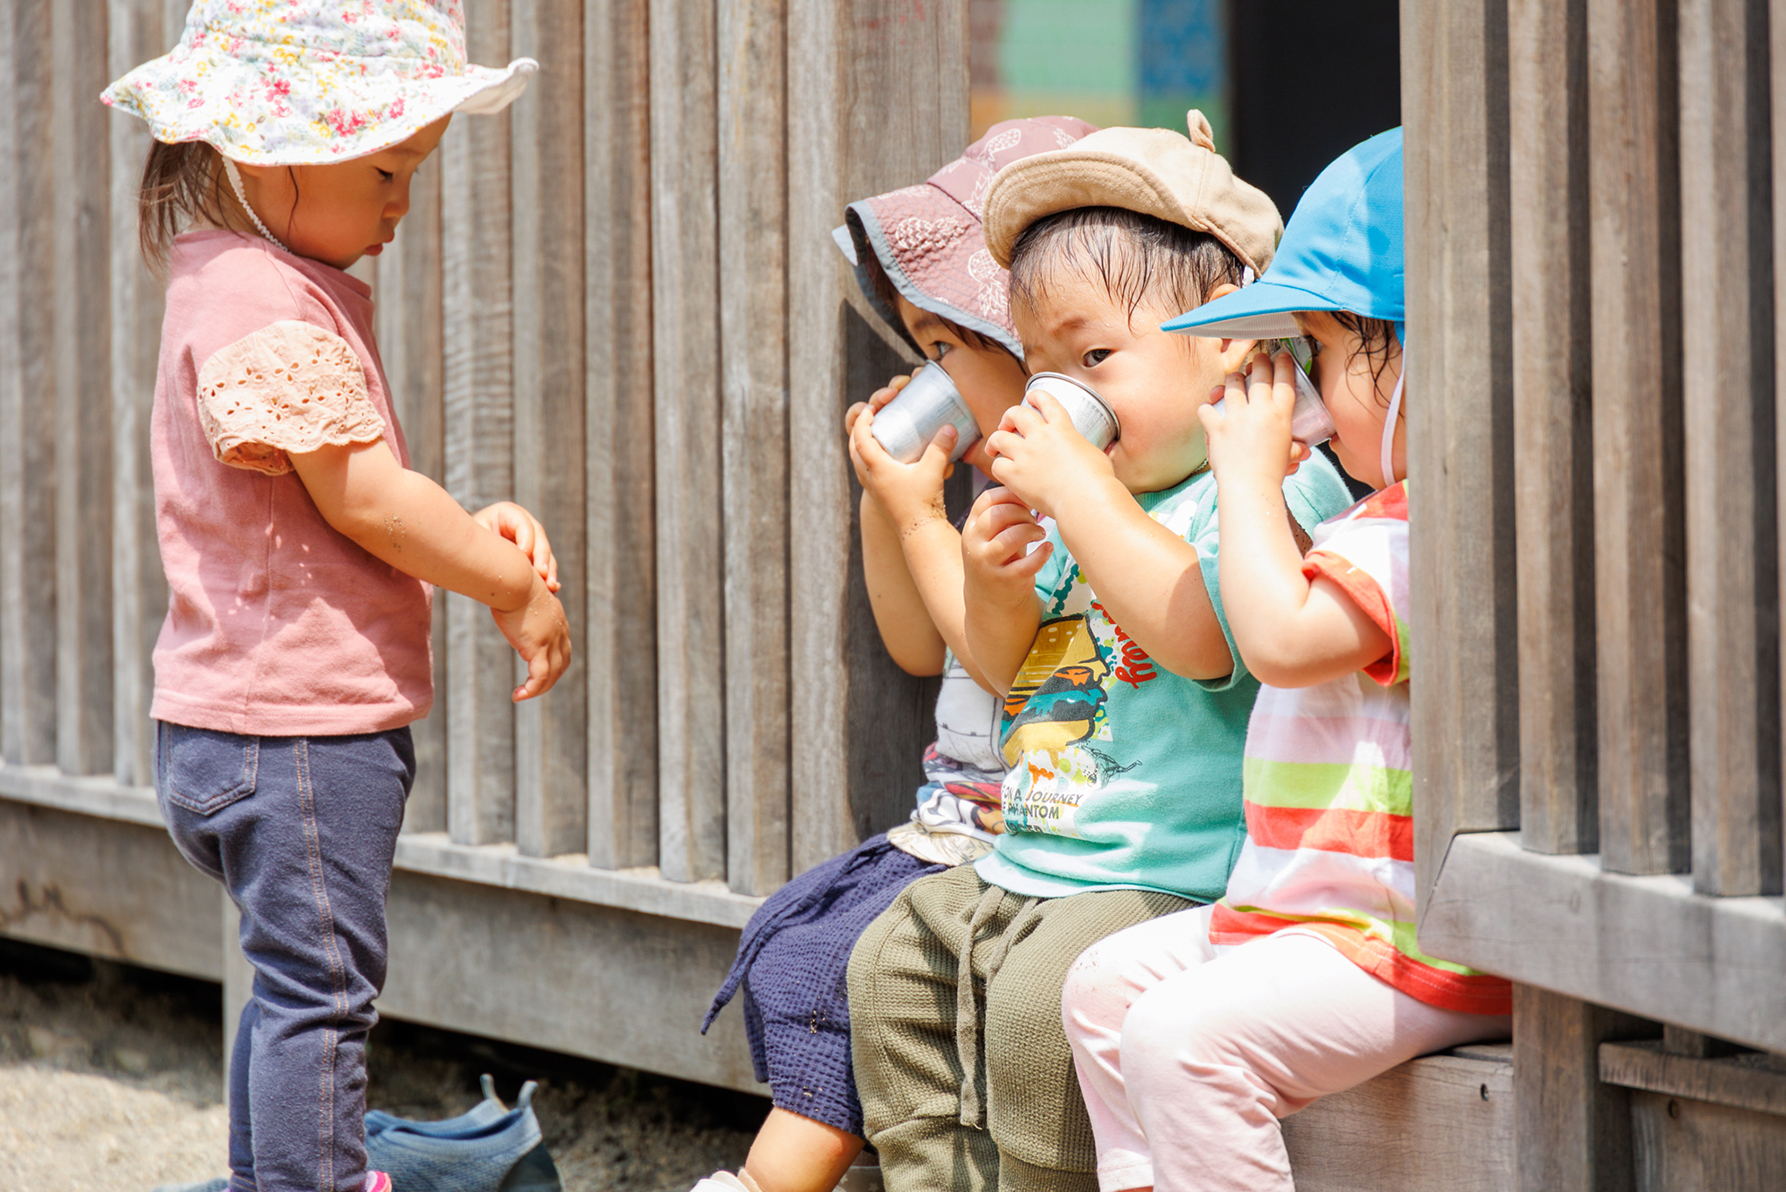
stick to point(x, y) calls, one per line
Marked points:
point(540, 635)
point(1251, 433)
point(909, 494)
point(508, 520)
point(1040, 455)
point(876, 400)
point(995, 545)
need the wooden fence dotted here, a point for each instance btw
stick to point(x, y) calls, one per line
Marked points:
point(618, 302)
point(1593, 190)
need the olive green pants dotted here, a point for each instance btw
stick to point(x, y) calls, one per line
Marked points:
point(961, 1063)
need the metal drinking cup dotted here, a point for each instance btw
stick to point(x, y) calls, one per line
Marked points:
point(905, 425)
point(1310, 423)
point(1091, 414)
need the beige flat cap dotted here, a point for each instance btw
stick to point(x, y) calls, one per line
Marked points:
point(1155, 171)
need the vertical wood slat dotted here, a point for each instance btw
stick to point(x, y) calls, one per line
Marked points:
point(860, 721)
point(1639, 524)
point(621, 638)
point(138, 31)
point(1553, 460)
point(551, 734)
point(686, 379)
point(1777, 65)
point(27, 408)
point(1570, 1131)
point(479, 393)
point(83, 388)
point(753, 347)
point(1459, 404)
point(410, 342)
point(1733, 624)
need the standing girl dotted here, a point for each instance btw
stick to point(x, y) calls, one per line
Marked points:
point(299, 548)
point(1194, 1034)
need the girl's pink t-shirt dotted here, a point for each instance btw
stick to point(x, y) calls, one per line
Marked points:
point(277, 624)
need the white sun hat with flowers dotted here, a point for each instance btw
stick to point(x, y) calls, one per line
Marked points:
point(307, 82)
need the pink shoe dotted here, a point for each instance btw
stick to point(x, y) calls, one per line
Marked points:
point(376, 1181)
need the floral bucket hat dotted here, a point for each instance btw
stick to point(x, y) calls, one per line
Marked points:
point(928, 238)
point(305, 82)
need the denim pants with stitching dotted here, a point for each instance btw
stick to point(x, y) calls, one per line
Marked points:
point(301, 831)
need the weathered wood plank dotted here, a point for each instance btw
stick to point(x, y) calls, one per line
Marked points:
point(410, 341)
point(1460, 410)
point(27, 386)
point(1444, 1123)
point(1573, 1131)
point(1777, 60)
point(753, 332)
point(1649, 946)
point(691, 720)
point(1689, 1146)
point(477, 310)
point(844, 57)
point(138, 32)
point(621, 646)
point(1727, 286)
point(611, 985)
point(552, 734)
point(1553, 470)
point(1747, 1081)
point(106, 888)
point(82, 345)
point(1639, 523)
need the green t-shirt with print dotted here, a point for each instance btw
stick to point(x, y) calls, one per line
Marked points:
point(1125, 775)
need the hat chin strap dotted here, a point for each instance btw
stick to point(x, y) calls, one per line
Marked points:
point(235, 184)
point(1395, 409)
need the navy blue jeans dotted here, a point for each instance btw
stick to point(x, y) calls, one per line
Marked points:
point(301, 831)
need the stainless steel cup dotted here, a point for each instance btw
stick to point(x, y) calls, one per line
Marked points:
point(905, 425)
point(1091, 414)
point(1310, 423)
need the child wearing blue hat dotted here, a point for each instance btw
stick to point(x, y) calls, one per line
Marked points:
point(1195, 1033)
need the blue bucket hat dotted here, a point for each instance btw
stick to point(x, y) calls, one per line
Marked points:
point(1341, 251)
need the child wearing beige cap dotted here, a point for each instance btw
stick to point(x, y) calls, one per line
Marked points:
point(1125, 700)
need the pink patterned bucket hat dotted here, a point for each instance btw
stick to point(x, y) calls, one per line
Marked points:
point(302, 82)
point(928, 238)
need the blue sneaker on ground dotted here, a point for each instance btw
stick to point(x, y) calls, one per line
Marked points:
point(481, 1114)
point(488, 1149)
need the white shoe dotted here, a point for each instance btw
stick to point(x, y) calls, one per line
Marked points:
point(720, 1181)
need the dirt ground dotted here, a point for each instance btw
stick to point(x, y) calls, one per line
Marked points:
point(111, 1081)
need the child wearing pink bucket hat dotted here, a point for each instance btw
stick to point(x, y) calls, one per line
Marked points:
point(299, 548)
point(920, 256)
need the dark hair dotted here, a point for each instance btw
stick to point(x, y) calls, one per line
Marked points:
point(1137, 258)
point(181, 184)
point(883, 289)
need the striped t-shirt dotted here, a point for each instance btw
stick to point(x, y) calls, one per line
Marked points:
point(1328, 788)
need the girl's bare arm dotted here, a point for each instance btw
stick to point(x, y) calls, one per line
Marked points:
point(405, 519)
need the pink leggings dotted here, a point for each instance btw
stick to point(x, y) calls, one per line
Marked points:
point(1189, 1053)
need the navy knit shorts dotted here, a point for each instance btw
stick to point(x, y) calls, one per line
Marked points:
point(792, 963)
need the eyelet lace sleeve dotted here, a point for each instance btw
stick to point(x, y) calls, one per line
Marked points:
point(289, 388)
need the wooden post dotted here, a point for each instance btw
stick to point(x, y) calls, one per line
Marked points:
point(1571, 1133)
point(84, 465)
point(1733, 622)
point(691, 720)
point(1460, 410)
point(621, 649)
point(1777, 64)
point(28, 652)
point(551, 734)
point(753, 277)
point(410, 341)
point(1639, 526)
point(1552, 423)
point(859, 722)
point(477, 308)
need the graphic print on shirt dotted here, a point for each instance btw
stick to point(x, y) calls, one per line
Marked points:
point(1054, 714)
